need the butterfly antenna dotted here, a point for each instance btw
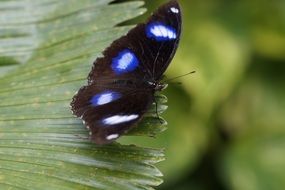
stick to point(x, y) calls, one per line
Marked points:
point(192, 72)
point(176, 83)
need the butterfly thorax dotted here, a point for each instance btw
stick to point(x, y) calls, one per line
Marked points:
point(150, 84)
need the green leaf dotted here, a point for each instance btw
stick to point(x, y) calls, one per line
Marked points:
point(52, 46)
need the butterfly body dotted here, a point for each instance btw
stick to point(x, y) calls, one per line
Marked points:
point(122, 83)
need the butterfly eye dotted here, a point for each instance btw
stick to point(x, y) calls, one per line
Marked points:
point(105, 98)
point(117, 119)
point(126, 61)
point(160, 32)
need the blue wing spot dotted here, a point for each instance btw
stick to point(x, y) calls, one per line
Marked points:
point(104, 98)
point(160, 31)
point(125, 62)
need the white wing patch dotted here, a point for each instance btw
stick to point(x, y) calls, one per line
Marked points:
point(174, 10)
point(112, 136)
point(117, 119)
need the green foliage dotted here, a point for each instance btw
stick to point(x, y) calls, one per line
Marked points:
point(47, 49)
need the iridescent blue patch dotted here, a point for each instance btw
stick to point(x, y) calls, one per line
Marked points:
point(104, 98)
point(125, 62)
point(160, 31)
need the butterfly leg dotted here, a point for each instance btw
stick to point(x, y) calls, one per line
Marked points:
point(156, 111)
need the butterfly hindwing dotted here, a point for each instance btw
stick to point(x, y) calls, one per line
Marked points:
point(110, 113)
point(122, 83)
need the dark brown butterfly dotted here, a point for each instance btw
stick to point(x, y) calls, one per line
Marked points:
point(122, 83)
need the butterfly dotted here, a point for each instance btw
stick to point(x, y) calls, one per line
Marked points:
point(122, 83)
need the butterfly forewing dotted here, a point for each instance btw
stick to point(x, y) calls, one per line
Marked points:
point(162, 33)
point(119, 91)
point(152, 43)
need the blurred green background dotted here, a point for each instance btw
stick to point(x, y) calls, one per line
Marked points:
point(227, 121)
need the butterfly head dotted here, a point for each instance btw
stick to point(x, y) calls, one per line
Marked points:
point(157, 86)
